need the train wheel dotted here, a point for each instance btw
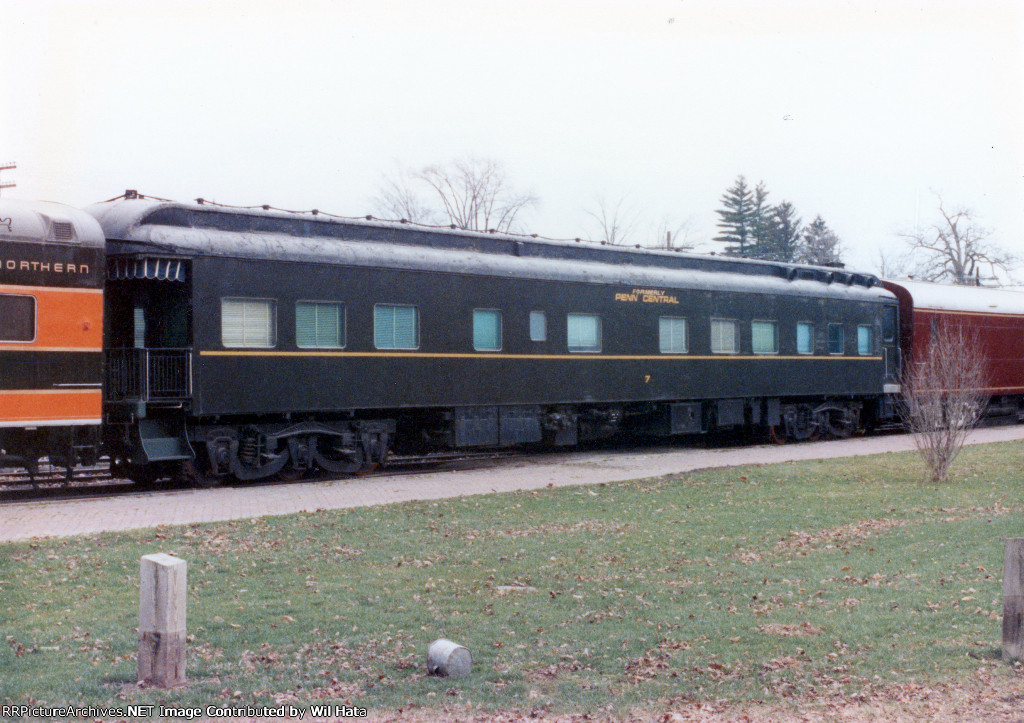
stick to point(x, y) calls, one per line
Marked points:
point(292, 474)
point(840, 429)
point(803, 424)
point(337, 459)
point(843, 423)
point(300, 459)
point(256, 456)
point(800, 423)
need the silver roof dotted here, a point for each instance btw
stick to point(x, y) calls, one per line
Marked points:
point(46, 222)
point(138, 224)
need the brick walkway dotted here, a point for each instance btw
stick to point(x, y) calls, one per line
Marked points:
point(57, 518)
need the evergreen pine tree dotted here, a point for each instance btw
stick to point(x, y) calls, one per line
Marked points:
point(760, 224)
point(820, 245)
point(782, 240)
point(735, 218)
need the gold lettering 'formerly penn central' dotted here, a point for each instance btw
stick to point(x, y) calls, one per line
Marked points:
point(647, 296)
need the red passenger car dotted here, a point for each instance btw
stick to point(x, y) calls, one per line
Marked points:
point(995, 316)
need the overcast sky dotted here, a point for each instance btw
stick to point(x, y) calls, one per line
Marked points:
point(858, 111)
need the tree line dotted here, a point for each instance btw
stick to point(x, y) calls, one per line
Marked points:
point(752, 227)
point(475, 194)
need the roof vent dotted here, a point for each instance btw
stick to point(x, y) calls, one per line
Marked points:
point(63, 231)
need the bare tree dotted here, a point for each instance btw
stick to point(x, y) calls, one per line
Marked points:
point(956, 249)
point(893, 265)
point(469, 193)
point(943, 396)
point(399, 198)
point(672, 235)
point(616, 221)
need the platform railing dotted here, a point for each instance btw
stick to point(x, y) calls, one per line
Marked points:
point(148, 375)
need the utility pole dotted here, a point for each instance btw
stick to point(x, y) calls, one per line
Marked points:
point(7, 167)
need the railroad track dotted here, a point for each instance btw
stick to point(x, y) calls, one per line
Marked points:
point(49, 475)
point(52, 482)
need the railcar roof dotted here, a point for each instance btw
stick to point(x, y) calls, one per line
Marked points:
point(47, 222)
point(152, 227)
point(948, 297)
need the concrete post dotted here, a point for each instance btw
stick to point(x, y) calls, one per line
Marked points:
point(1013, 599)
point(162, 621)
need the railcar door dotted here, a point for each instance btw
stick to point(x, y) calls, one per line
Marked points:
point(149, 330)
point(890, 346)
point(148, 363)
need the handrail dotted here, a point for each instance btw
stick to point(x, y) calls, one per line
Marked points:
point(148, 375)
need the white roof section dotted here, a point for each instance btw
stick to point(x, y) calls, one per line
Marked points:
point(138, 226)
point(948, 297)
point(375, 254)
point(46, 222)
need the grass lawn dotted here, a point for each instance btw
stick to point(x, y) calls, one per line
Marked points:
point(765, 585)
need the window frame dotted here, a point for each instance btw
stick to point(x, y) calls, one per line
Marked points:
point(775, 336)
point(35, 319)
point(600, 333)
point(686, 335)
point(842, 338)
point(496, 312)
point(342, 323)
point(736, 334)
point(272, 306)
point(871, 339)
point(415, 309)
point(542, 315)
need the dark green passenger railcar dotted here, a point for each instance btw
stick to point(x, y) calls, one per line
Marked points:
point(252, 342)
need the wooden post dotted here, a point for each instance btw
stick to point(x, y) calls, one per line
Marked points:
point(162, 621)
point(1013, 599)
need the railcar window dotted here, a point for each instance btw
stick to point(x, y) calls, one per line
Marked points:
point(804, 338)
point(864, 346)
point(319, 325)
point(248, 322)
point(139, 328)
point(836, 339)
point(889, 323)
point(396, 327)
point(584, 332)
point(17, 318)
point(486, 330)
point(672, 335)
point(764, 337)
point(538, 326)
point(725, 336)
